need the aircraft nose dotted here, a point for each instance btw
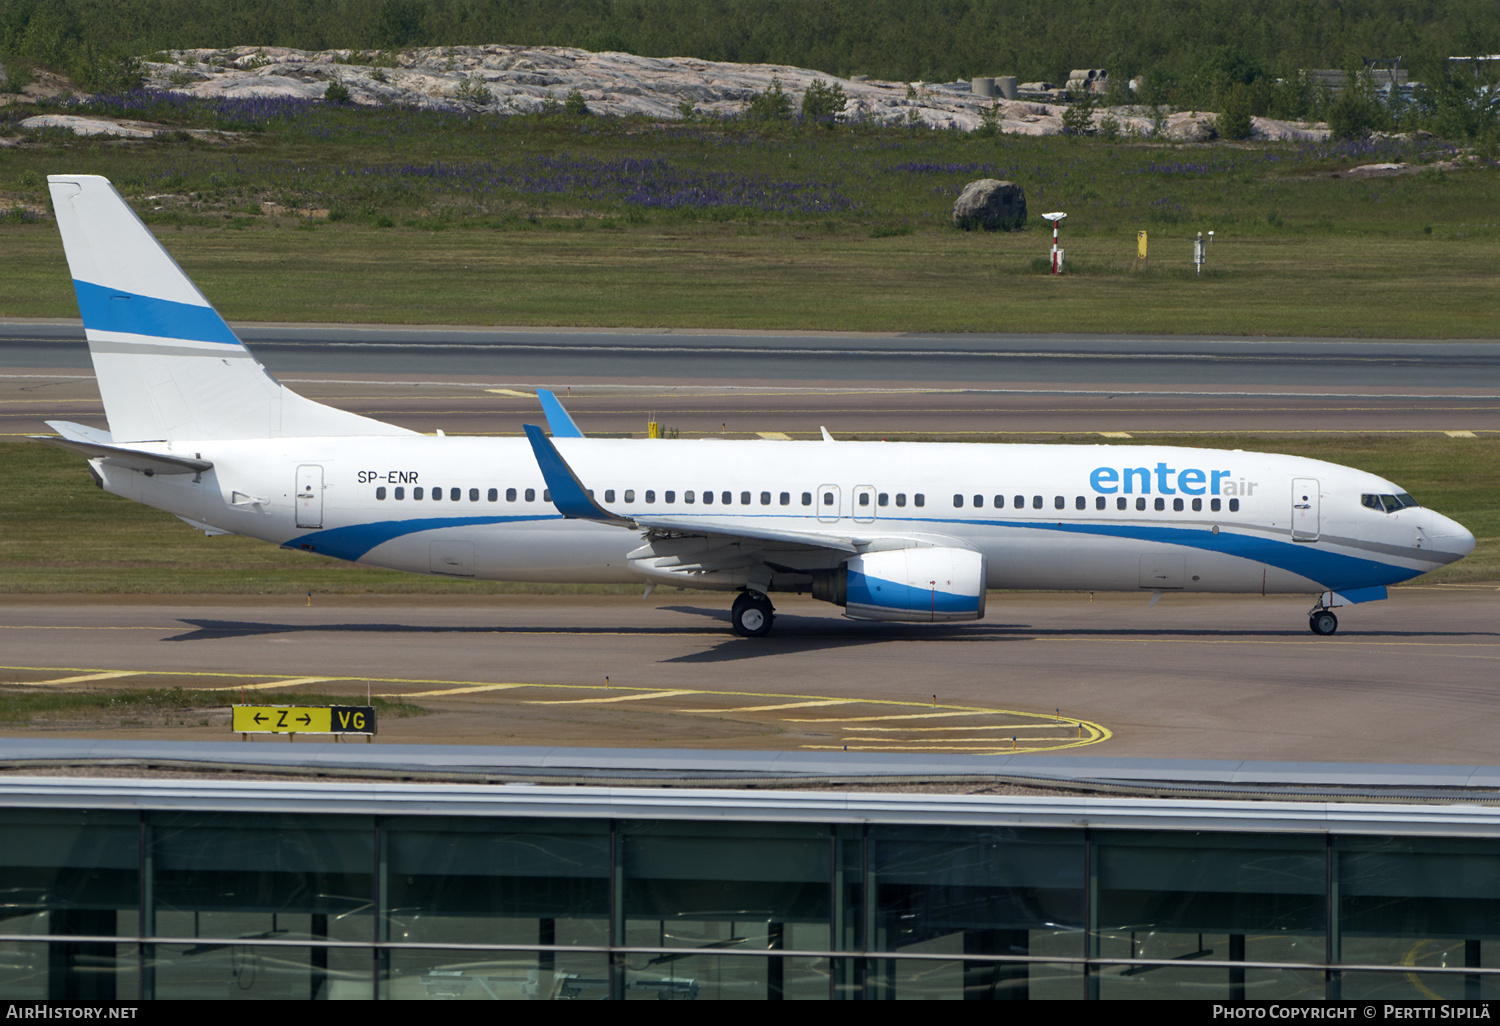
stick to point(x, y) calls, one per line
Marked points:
point(1450, 536)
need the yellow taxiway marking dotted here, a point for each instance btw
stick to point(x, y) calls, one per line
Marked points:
point(470, 689)
point(775, 708)
point(107, 675)
point(290, 682)
point(904, 716)
point(775, 436)
point(1115, 434)
point(513, 393)
point(603, 701)
point(1059, 724)
point(1460, 434)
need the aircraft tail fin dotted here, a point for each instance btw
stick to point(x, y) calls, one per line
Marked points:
point(169, 367)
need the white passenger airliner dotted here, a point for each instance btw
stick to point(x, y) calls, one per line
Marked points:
point(889, 531)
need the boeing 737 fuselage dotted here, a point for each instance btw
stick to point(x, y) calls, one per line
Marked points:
point(889, 531)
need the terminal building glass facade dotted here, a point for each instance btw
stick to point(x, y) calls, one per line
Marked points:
point(325, 891)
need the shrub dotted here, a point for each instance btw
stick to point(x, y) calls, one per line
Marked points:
point(336, 92)
point(575, 106)
point(1234, 121)
point(1078, 119)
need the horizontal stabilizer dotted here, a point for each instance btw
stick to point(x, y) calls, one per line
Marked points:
point(131, 459)
point(81, 432)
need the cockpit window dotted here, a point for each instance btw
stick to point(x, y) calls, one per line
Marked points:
point(1387, 503)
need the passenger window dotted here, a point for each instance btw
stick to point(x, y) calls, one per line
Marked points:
point(978, 501)
point(864, 498)
point(689, 498)
point(473, 494)
point(1059, 503)
point(1213, 505)
point(1234, 505)
point(400, 492)
point(1036, 502)
point(919, 499)
point(609, 495)
point(727, 497)
point(510, 495)
point(1081, 503)
point(494, 495)
point(1140, 504)
point(457, 493)
point(531, 495)
point(900, 498)
point(651, 495)
point(884, 499)
point(1161, 504)
point(1020, 502)
point(765, 498)
point(786, 498)
point(1197, 505)
point(1177, 505)
point(828, 498)
point(744, 498)
point(958, 500)
point(999, 502)
point(630, 495)
point(416, 493)
point(708, 497)
point(546, 494)
point(1122, 503)
point(1099, 502)
point(380, 492)
point(670, 497)
point(437, 494)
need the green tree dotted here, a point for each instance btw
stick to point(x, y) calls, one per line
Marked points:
point(1234, 121)
point(822, 100)
point(1078, 119)
point(575, 106)
point(771, 105)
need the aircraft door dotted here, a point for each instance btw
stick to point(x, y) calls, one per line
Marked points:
point(1305, 526)
point(828, 499)
point(863, 509)
point(309, 496)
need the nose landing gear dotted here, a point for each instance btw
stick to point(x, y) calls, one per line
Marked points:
point(752, 615)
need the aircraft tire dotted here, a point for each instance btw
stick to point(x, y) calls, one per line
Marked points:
point(1323, 623)
point(752, 615)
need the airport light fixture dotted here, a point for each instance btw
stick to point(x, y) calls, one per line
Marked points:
point(1057, 255)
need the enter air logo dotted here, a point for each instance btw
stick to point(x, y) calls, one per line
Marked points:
point(1168, 481)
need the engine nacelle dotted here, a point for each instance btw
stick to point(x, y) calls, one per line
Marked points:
point(918, 584)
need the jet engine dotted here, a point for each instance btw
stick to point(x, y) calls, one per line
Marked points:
point(918, 584)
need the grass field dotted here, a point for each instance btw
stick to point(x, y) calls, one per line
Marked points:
point(63, 535)
point(313, 212)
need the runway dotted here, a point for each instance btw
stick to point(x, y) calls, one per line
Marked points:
point(1405, 681)
point(470, 381)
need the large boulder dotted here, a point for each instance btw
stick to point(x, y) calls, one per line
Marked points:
point(992, 205)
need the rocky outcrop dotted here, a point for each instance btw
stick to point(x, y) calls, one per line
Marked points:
point(992, 205)
point(528, 79)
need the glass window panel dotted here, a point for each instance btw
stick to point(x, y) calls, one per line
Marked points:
point(39, 971)
point(725, 884)
point(1413, 887)
point(1167, 885)
point(987, 890)
point(509, 881)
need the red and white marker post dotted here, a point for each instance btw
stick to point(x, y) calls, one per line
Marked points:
point(1057, 255)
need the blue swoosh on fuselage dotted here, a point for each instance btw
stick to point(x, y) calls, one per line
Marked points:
point(354, 541)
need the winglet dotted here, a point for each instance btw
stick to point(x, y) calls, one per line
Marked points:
point(826, 436)
point(558, 422)
point(569, 495)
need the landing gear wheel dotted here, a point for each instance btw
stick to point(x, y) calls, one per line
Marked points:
point(1323, 622)
point(752, 615)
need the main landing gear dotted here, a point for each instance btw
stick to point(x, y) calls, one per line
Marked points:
point(1323, 622)
point(752, 615)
